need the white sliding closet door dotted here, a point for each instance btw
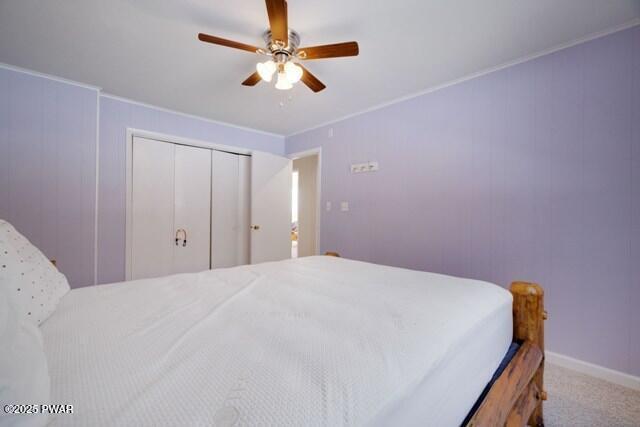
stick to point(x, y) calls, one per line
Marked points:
point(244, 211)
point(224, 209)
point(152, 208)
point(170, 199)
point(270, 207)
point(192, 209)
point(230, 214)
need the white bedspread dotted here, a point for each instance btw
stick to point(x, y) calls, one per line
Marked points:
point(312, 341)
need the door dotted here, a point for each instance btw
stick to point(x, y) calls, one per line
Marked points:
point(230, 209)
point(308, 204)
point(152, 208)
point(170, 199)
point(224, 209)
point(244, 211)
point(192, 209)
point(270, 207)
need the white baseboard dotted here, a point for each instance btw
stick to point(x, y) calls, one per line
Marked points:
point(616, 377)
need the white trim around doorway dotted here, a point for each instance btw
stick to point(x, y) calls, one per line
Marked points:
point(306, 153)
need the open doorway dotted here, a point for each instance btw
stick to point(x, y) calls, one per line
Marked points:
point(305, 204)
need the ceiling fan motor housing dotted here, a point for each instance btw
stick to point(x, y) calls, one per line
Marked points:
point(281, 53)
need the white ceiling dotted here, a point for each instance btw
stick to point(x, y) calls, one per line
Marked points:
point(147, 50)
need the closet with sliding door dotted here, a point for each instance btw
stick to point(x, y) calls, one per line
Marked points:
point(189, 208)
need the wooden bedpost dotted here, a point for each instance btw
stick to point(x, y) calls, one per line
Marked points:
point(515, 398)
point(528, 325)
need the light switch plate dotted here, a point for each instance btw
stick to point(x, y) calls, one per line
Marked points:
point(328, 206)
point(373, 166)
point(344, 206)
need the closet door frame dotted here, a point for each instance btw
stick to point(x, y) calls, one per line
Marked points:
point(171, 139)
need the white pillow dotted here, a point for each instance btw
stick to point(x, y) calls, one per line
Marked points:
point(28, 276)
point(24, 375)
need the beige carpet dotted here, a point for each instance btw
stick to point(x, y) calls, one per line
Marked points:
point(577, 400)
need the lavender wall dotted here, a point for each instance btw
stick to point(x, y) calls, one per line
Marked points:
point(48, 131)
point(634, 284)
point(531, 172)
point(115, 117)
point(47, 167)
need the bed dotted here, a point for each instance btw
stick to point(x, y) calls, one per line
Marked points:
point(311, 341)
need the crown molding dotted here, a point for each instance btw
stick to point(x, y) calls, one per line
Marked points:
point(48, 76)
point(191, 116)
point(630, 24)
point(102, 94)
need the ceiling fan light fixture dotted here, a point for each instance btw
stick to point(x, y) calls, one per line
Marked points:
point(283, 82)
point(266, 70)
point(293, 72)
point(282, 44)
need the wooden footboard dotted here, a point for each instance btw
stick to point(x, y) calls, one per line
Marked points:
point(515, 399)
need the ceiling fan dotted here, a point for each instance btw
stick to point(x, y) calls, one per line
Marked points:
point(282, 45)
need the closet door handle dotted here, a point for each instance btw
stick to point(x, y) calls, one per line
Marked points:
point(255, 227)
point(181, 231)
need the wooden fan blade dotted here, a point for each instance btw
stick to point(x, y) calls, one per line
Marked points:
point(311, 80)
point(277, 11)
point(252, 80)
point(228, 43)
point(329, 51)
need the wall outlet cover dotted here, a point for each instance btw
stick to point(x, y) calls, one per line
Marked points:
point(344, 206)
